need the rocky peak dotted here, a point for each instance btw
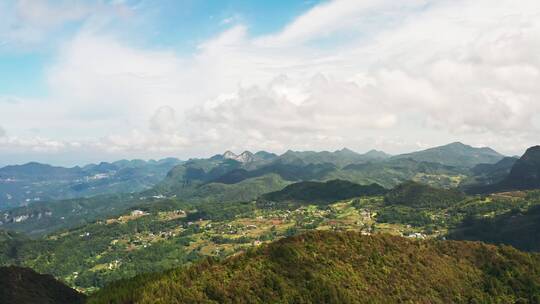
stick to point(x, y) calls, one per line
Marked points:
point(245, 157)
point(229, 155)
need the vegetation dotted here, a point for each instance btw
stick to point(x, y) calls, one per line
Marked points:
point(417, 195)
point(324, 267)
point(24, 286)
point(517, 228)
point(323, 192)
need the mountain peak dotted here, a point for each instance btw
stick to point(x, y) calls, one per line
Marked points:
point(244, 157)
point(455, 154)
point(229, 155)
point(376, 154)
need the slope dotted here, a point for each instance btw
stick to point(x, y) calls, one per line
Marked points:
point(24, 286)
point(325, 267)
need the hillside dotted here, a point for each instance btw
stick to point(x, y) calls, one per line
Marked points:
point(323, 192)
point(159, 234)
point(455, 154)
point(417, 195)
point(24, 286)
point(325, 267)
point(517, 228)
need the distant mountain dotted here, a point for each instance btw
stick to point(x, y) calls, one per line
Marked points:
point(331, 267)
point(37, 172)
point(339, 158)
point(192, 179)
point(524, 175)
point(455, 154)
point(489, 174)
point(417, 195)
point(323, 192)
point(25, 286)
point(34, 182)
point(376, 155)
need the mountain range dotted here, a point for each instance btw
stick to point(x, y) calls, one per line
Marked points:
point(35, 182)
point(227, 206)
point(229, 177)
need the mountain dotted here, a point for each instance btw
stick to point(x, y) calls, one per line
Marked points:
point(417, 195)
point(524, 175)
point(455, 154)
point(346, 267)
point(376, 155)
point(25, 286)
point(247, 157)
point(339, 158)
point(34, 182)
point(323, 192)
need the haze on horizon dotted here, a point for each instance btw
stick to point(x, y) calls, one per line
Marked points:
point(89, 81)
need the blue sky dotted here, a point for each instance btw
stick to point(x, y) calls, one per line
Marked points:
point(180, 25)
point(83, 81)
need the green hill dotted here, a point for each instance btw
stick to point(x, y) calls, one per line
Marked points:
point(417, 195)
point(325, 267)
point(24, 286)
point(323, 192)
point(455, 154)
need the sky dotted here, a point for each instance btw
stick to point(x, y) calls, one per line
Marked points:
point(89, 81)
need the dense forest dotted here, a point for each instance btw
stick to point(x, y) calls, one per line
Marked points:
point(324, 267)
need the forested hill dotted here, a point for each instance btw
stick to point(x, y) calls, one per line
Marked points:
point(323, 192)
point(417, 195)
point(25, 286)
point(346, 267)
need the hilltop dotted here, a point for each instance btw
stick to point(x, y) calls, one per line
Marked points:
point(323, 192)
point(326, 267)
point(456, 154)
point(417, 195)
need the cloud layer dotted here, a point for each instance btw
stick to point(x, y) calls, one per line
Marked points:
point(365, 75)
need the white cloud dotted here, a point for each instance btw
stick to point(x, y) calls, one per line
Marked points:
point(28, 24)
point(415, 71)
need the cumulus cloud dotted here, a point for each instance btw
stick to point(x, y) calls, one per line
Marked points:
point(372, 74)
